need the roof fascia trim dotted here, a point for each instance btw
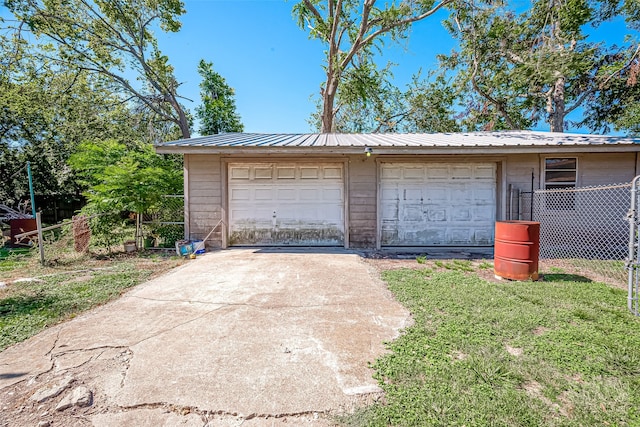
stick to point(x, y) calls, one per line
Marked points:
point(323, 151)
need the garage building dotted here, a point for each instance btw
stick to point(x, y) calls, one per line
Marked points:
point(380, 190)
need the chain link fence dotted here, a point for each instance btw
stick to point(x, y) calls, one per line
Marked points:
point(585, 230)
point(519, 205)
point(164, 225)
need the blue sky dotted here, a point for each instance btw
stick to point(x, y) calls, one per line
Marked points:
point(275, 68)
point(271, 63)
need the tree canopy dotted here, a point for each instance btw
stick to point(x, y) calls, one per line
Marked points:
point(113, 38)
point(126, 178)
point(513, 68)
point(46, 110)
point(217, 113)
point(521, 68)
point(49, 108)
point(352, 30)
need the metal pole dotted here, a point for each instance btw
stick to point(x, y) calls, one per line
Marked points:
point(632, 260)
point(510, 212)
point(33, 198)
point(531, 204)
point(40, 238)
point(139, 239)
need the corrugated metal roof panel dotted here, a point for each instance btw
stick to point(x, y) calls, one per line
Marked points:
point(473, 139)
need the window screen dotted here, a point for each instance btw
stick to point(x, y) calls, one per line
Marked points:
point(560, 173)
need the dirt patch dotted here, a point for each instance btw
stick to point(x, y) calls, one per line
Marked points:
point(514, 351)
point(83, 268)
point(482, 268)
point(540, 330)
point(382, 264)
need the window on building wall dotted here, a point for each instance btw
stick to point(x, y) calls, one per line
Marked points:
point(560, 173)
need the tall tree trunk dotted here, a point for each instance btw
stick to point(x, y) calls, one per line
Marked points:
point(184, 124)
point(328, 100)
point(556, 106)
point(183, 121)
point(556, 118)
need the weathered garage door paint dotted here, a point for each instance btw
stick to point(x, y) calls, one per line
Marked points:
point(437, 204)
point(296, 204)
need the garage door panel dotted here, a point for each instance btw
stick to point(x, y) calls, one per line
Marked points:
point(412, 213)
point(390, 172)
point(461, 214)
point(389, 212)
point(241, 214)
point(285, 172)
point(240, 194)
point(273, 204)
point(331, 194)
point(484, 214)
point(309, 172)
point(438, 172)
point(389, 194)
point(412, 194)
point(309, 194)
point(433, 234)
point(436, 214)
point(435, 195)
point(413, 173)
point(485, 171)
point(286, 194)
point(240, 173)
point(263, 194)
point(332, 172)
point(486, 195)
point(483, 237)
point(263, 172)
point(437, 204)
point(461, 172)
point(461, 195)
point(335, 213)
point(460, 236)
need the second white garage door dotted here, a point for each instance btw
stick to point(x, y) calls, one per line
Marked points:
point(297, 204)
point(437, 204)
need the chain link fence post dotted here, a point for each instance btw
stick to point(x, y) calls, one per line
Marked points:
point(633, 263)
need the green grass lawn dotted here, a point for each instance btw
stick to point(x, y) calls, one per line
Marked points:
point(62, 291)
point(488, 353)
point(8, 252)
point(13, 258)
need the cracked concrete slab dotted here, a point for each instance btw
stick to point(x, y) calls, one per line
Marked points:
point(260, 337)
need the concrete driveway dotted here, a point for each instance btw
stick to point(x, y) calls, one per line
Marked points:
point(237, 337)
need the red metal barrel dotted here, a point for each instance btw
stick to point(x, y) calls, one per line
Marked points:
point(517, 249)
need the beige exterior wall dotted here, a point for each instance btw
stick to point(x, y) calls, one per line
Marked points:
point(604, 168)
point(518, 171)
point(204, 197)
point(593, 169)
point(362, 195)
point(206, 186)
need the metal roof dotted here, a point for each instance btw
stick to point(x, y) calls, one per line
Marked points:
point(395, 142)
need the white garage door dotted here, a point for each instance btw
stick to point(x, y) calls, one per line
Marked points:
point(298, 204)
point(437, 204)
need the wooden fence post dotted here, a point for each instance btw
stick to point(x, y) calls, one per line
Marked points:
point(40, 237)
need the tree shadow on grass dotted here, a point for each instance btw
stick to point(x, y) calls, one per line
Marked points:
point(26, 305)
point(562, 277)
